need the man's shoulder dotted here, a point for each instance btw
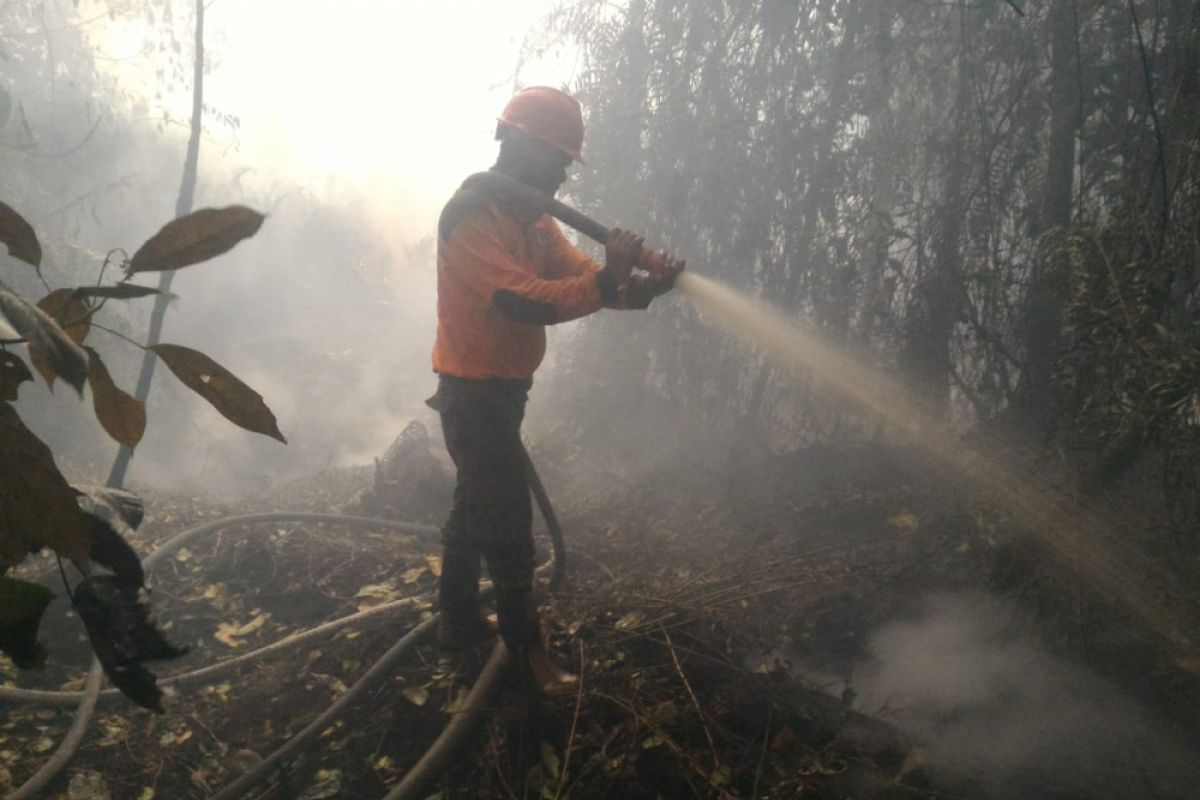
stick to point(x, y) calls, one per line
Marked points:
point(468, 202)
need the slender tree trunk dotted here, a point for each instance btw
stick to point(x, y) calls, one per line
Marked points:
point(1046, 295)
point(187, 193)
point(930, 326)
point(1182, 108)
point(876, 292)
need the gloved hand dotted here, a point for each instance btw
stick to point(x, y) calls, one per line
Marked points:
point(663, 276)
point(644, 287)
point(621, 253)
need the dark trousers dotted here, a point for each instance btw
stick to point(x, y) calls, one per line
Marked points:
point(492, 515)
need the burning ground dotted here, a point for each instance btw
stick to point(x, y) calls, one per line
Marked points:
point(858, 640)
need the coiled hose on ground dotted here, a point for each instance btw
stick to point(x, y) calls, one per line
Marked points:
point(422, 775)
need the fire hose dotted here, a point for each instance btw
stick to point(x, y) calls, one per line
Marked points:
point(423, 773)
point(440, 754)
point(651, 261)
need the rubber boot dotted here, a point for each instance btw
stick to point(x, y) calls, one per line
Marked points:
point(461, 626)
point(521, 630)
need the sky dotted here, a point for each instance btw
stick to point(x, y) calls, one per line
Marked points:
point(398, 99)
point(374, 108)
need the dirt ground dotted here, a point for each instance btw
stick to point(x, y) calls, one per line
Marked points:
point(717, 639)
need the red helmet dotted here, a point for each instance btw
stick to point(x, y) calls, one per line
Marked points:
point(548, 115)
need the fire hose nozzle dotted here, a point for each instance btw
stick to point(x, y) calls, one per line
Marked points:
point(653, 262)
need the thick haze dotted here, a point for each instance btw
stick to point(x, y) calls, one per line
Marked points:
point(352, 129)
point(900, 176)
point(395, 100)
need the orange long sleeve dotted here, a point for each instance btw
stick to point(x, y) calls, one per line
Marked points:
point(492, 272)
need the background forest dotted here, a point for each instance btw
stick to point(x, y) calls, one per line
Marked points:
point(995, 202)
point(92, 149)
point(773, 592)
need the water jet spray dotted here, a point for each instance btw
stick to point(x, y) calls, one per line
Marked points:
point(1072, 534)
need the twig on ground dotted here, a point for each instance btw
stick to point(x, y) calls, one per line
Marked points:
point(692, 696)
point(671, 744)
point(562, 773)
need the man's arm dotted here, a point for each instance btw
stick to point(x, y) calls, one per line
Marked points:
point(477, 255)
point(565, 259)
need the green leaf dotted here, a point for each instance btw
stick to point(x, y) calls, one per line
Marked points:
point(37, 507)
point(21, 608)
point(19, 236)
point(62, 354)
point(120, 291)
point(13, 373)
point(121, 415)
point(196, 237)
point(236, 401)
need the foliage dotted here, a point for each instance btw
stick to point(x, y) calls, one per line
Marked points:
point(998, 206)
point(38, 508)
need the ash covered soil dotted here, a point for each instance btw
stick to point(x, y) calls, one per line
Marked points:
point(857, 639)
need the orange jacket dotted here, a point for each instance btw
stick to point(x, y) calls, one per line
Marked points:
point(500, 283)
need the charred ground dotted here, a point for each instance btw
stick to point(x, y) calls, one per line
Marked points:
point(721, 642)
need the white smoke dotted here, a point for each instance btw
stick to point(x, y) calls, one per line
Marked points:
point(1008, 719)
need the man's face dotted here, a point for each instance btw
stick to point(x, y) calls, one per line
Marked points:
point(543, 166)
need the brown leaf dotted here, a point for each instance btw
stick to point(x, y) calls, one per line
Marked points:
point(120, 291)
point(783, 739)
point(37, 507)
point(60, 351)
point(19, 236)
point(121, 415)
point(124, 635)
point(13, 373)
point(236, 401)
point(196, 237)
point(7, 332)
point(72, 315)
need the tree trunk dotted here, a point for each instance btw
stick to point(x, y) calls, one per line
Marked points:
point(877, 293)
point(1046, 294)
point(187, 194)
point(930, 325)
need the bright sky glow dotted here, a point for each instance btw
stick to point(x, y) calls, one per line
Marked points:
point(398, 99)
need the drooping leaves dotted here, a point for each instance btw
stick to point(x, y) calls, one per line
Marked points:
point(121, 628)
point(236, 401)
point(37, 507)
point(121, 415)
point(61, 353)
point(19, 236)
point(196, 237)
point(21, 608)
point(113, 513)
point(110, 549)
point(13, 373)
point(73, 315)
point(120, 291)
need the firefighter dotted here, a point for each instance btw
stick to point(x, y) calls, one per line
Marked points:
point(505, 271)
